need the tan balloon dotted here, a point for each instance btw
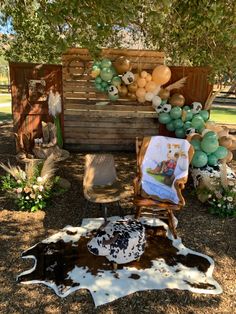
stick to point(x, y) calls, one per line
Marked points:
point(140, 92)
point(144, 74)
point(132, 95)
point(123, 90)
point(141, 99)
point(164, 94)
point(148, 78)
point(122, 65)
point(141, 82)
point(133, 87)
point(177, 100)
point(229, 157)
point(161, 74)
point(225, 141)
point(151, 86)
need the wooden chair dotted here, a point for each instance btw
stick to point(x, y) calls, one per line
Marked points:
point(100, 183)
point(163, 209)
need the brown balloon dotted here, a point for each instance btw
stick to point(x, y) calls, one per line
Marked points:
point(177, 100)
point(132, 95)
point(122, 65)
point(123, 91)
point(164, 94)
point(133, 87)
point(225, 141)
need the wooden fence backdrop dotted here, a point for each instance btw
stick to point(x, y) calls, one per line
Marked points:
point(90, 126)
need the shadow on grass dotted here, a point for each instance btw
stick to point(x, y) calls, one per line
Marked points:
point(5, 116)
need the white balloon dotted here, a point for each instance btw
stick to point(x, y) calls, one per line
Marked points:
point(149, 96)
point(156, 90)
point(156, 101)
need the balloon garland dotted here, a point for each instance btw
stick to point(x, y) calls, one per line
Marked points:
point(117, 80)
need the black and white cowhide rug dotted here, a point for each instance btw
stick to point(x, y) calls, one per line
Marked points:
point(64, 263)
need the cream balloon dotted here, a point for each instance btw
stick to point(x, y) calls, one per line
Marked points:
point(156, 101)
point(149, 96)
point(161, 74)
point(156, 90)
point(144, 74)
point(148, 78)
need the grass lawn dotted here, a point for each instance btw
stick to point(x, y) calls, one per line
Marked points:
point(223, 115)
point(5, 98)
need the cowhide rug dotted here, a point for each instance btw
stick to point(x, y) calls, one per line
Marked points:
point(64, 263)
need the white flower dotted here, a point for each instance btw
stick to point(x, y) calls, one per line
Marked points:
point(41, 188)
point(39, 196)
point(27, 197)
point(39, 179)
point(219, 205)
point(35, 187)
point(209, 196)
point(214, 199)
point(32, 195)
point(19, 190)
point(230, 199)
point(224, 198)
point(18, 181)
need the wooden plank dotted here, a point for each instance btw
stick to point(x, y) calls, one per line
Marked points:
point(111, 125)
point(84, 133)
point(110, 107)
point(101, 141)
point(121, 52)
point(100, 147)
point(101, 114)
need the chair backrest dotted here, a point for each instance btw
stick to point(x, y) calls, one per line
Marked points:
point(162, 164)
point(99, 170)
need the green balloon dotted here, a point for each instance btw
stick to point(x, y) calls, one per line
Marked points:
point(98, 80)
point(212, 160)
point(180, 133)
point(106, 63)
point(164, 118)
point(211, 134)
point(106, 74)
point(116, 81)
point(176, 112)
point(97, 64)
point(196, 144)
point(95, 67)
point(178, 123)
point(104, 84)
point(221, 152)
point(204, 114)
point(163, 102)
point(170, 126)
point(189, 115)
point(200, 129)
point(199, 159)
point(186, 108)
point(98, 86)
point(113, 97)
point(187, 125)
point(197, 121)
point(209, 145)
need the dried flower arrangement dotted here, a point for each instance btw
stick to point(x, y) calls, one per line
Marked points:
point(33, 187)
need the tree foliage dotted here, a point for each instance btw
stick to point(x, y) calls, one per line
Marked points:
point(196, 33)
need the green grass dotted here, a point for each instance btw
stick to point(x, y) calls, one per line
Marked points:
point(5, 98)
point(223, 115)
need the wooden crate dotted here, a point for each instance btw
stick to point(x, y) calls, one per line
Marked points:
point(90, 126)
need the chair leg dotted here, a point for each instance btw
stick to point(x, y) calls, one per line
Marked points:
point(105, 212)
point(171, 223)
point(120, 209)
point(138, 212)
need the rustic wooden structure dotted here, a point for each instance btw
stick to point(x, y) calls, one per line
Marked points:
point(30, 85)
point(90, 125)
